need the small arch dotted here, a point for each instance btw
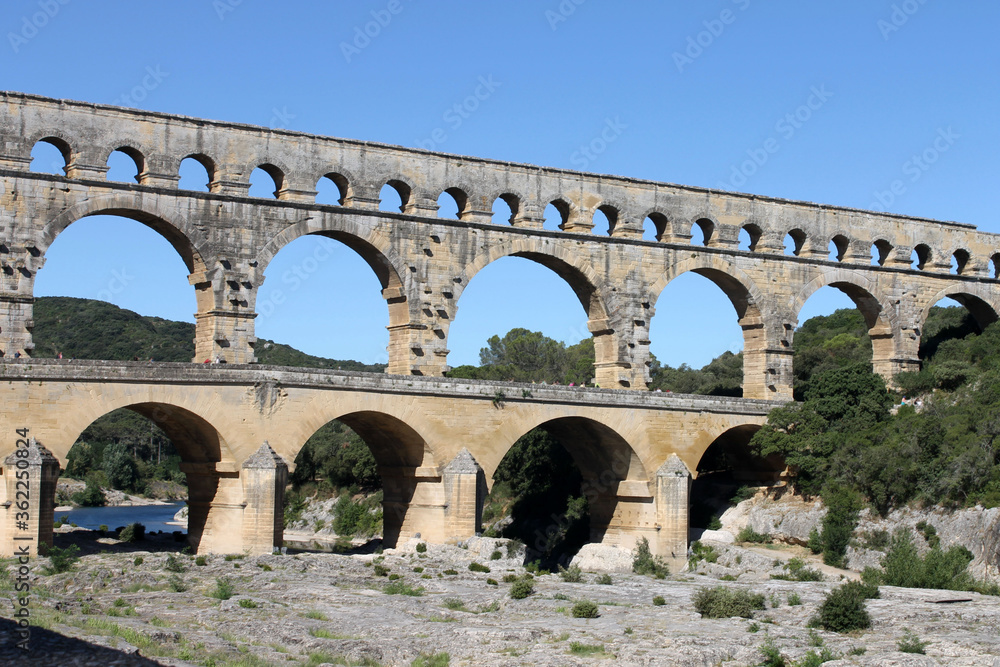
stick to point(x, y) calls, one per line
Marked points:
point(196, 172)
point(838, 248)
point(556, 214)
point(702, 231)
point(125, 164)
point(259, 178)
point(959, 261)
point(995, 267)
point(332, 189)
point(654, 227)
point(506, 206)
point(795, 240)
point(452, 203)
point(749, 237)
point(50, 155)
point(920, 256)
point(605, 219)
point(880, 252)
point(394, 190)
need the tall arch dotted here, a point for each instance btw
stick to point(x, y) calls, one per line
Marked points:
point(759, 379)
point(565, 262)
point(880, 318)
point(374, 248)
point(980, 302)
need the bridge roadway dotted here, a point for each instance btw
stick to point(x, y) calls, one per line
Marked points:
point(437, 442)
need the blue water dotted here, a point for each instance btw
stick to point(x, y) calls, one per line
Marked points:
point(153, 517)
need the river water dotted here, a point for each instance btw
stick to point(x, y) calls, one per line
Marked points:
point(153, 517)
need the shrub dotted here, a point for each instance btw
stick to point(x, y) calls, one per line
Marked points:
point(496, 555)
point(418, 569)
point(248, 604)
point(91, 496)
point(794, 600)
point(644, 562)
point(701, 552)
point(521, 589)
point(843, 610)
point(492, 582)
point(572, 575)
point(815, 542)
point(659, 601)
point(772, 654)
point(476, 567)
point(61, 560)
point(797, 571)
point(421, 547)
point(432, 660)
point(201, 561)
point(748, 534)
point(937, 569)
point(843, 505)
point(814, 659)
point(176, 584)
point(910, 643)
point(380, 570)
point(174, 564)
point(134, 532)
point(510, 578)
point(451, 572)
point(604, 579)
point(402, 588)
point(585, 609)
point(137, 561)
point(394, 576)
point(512, 548)
point(223, 589)
point(578, 648)
point(723, 602)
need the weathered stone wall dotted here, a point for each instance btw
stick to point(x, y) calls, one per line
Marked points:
point(424, 262)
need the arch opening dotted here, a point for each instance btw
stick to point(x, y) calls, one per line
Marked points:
point(505, 208)
point(702, 232)
point(654, 227)
point(556, 215)
point(994, 267)
point(728, 473)
point(452, 203)
point(161, 450)
point(838, 248)
point(959, 261)
point(394, 196)
point(795, 240)
point(880, 252)
point(557, 488)
point(920, 256)
point(332, 190)
point(197, 172)
point(266, 182)
point(749, 237)
point(369, 461)
point(50, 155)
point(605, 220)
point(302, 278)
point(125, 165)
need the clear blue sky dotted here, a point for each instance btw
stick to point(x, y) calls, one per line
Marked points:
point(892, 75)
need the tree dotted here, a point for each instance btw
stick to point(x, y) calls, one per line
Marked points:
point(119, 467)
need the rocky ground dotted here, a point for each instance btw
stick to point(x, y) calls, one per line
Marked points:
point(324, 608)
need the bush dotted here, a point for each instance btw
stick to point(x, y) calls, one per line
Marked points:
point(134, 532)
point(91, 496)
point(573, 575)
point(843, 610)
point(60, 560)
point(723, 602)
point(585, 609)
point(797, 571)
point(910, 643)
point(451, 572)
point(402, 588)
point(380, 570)
point(492, 582)
point(247, 604)
point(644, 562)
point(223, 589)
point(815, 543)
point(659, 601)
point(174, 564)
point(476, 567)
point(604, 580)
point(701, 552)
point(937, 569)
point(748, 534)
point(510, 578)
point(201, 561)
point(421, 547)
point(496, 555)
point(521, 589)
point(843, 505)
point(137, 561)
point(794, 600)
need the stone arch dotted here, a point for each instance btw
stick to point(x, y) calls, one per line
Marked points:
point(881, 318)
point(210, 165)
point(131, 147)
point(755, 232)
point(403, 188)
point(842, 243)
point(186, 238)
point(661, 223)
point(59, 139)
point(709, 227)
point(513, 201)
point(613, 212)
point(760, 331)
point(276, 169)
point(462, 193)
point(981, 303)
point(343, 179)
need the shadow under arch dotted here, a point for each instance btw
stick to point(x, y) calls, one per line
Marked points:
point(747, 300)
point(206, 458)
point(385, 262)
point(725, 466)
point(978, 305)
point(404, 460)
point(611, 477)
point(578, 274)
point(882, 321)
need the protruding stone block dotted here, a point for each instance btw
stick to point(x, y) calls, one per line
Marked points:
point(264, 476)
point(28, 498)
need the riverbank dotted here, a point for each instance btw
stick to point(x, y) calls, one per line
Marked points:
point(160, 493)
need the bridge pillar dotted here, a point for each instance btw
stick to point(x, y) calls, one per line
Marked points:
point(464, 492)
point(413, 504)
point(224, 323)
point(215, 508)
point(264, 476)
point(28, 496)
point(673, 491)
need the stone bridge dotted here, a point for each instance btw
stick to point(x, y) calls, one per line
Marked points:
point(436, 441)
point(424, 262)
point(635, 449)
